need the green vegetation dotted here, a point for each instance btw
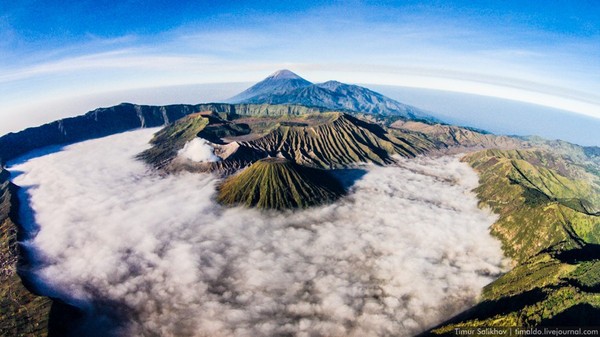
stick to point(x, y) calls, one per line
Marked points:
point(547, 231)
point(276, 183)
point(536, 203)
point(169, 140)
point(21, 312)
point(587, 276)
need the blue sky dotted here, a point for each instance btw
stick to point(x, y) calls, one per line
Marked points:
point(55, 55)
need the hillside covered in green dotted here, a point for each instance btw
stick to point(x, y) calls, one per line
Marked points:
point(549, 226)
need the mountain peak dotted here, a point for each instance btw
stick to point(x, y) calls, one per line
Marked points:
point(279, 82)
point(286, 87)
point(331, 85)
point(284, 74)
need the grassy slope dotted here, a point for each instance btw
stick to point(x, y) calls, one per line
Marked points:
point(21, 312)
point(550, 237)
point(170, 139)
point(279, 184)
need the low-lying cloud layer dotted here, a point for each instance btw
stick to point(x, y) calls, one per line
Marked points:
point(407, 248)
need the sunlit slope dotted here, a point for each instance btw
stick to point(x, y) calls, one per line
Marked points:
point(276, 183)
point(341, 142)
point(550, 227)
point(541, 198)
point(21, 312)
point(445, 136)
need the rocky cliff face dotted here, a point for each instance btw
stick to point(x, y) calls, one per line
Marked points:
point(21, 312)
point(123, 117)
point(341, 142)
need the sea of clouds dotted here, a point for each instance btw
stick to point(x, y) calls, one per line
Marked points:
point(405, 249)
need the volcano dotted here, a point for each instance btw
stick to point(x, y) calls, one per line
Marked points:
point(277, 183)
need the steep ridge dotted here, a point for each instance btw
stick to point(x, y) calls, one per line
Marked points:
point(277, 183)
point(532, 191)
point(98, 123)
point(21, 312)
point(325, 140)
point(448, 136)
point(553, 242)
point(340, 143)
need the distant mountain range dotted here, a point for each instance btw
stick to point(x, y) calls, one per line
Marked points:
point(286, 87)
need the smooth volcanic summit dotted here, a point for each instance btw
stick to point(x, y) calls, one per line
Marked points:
point(277, 183)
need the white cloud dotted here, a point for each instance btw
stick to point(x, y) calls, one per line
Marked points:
point(198, 150)
point(407, 248)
